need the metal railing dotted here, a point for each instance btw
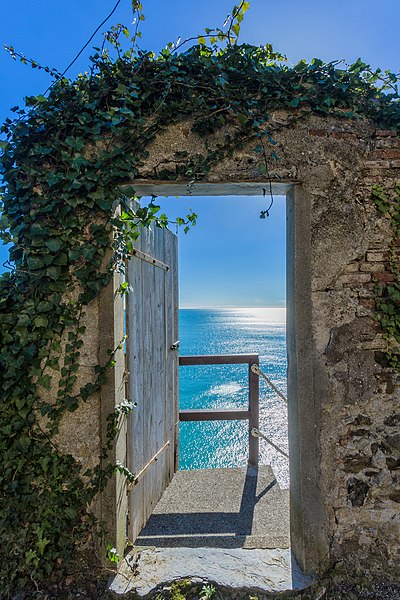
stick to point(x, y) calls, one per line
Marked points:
point(251, 414)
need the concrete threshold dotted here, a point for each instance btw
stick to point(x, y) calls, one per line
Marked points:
point(267, 570)
point(227, 526)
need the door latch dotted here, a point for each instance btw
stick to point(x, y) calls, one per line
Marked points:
point(175, 346)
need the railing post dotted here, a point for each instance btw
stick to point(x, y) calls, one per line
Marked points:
point(254, 413)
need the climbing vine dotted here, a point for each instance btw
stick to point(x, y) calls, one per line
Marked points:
point(68, 160)
point(388, 295)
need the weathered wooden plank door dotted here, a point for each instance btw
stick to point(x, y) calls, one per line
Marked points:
point(152, 325)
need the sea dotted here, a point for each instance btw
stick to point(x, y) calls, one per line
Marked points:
point(215, 444)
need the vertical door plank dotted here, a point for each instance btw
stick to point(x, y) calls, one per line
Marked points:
point(175, 318)
point(169, 431)
point(148, 357)
point(135, 367)
point(153, 328)
point(172, 355)
point(159, 371)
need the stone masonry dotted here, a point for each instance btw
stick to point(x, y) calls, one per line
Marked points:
point(344, 411)
point(356, 396)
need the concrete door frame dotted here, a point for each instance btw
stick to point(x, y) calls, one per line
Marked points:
point(308, 522)
point(308, 526)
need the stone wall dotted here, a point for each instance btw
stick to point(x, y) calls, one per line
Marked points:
point(345, 439)
point(354, 423)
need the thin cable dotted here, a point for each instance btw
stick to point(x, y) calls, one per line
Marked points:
point(84, 47)
point(23, 117)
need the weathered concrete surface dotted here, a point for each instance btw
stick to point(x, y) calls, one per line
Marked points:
point(264, 570)
point(222, 508)
point(343, 399)
point(83, 432)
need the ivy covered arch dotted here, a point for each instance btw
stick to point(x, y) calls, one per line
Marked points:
point(66, 163)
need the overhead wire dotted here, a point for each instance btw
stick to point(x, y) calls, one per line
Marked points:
point(83, 47)
point(73, 61)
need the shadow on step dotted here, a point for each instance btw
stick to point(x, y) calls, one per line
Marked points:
point(178, 522)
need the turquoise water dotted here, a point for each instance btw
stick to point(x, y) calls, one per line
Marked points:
point(230, 331)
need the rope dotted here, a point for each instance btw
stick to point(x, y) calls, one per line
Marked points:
point(257, 433)
point(256, 369)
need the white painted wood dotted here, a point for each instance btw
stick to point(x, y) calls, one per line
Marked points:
point(152, 317)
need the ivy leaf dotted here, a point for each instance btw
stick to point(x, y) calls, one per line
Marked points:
point(78, 161)
point(45, 381)
point(262, 169)
point(34, 262)
point(236, 29)
point(41, 321)
point(75, 143)
point(24, 320)
point(54, 272)
point(53, 178)
point(54, 244)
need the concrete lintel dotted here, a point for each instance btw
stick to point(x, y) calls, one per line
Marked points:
point(204, 188)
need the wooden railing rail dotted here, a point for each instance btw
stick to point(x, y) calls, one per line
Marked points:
point(252, 414)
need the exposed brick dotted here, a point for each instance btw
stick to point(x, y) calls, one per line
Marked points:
point(376, 344)
point(372, 267)
point(376, 256)
point(343, 135)
point(388, 153)
point(366, 303)
point(376, 164)
point(385, 133)
point(388, 143)
point(379, 244)
point(318, 132)
point(384, 277)
point(374, 179)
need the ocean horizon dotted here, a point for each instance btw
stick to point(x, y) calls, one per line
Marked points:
point(232, 330)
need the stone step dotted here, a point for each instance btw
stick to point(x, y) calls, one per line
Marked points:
point(244, 572)
point(220, 508)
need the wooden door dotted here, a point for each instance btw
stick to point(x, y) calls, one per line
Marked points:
point(152, 325)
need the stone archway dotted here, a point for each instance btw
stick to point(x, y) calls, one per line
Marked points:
point(342, 398)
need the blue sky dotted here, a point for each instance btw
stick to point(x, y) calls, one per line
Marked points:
point(215, 269)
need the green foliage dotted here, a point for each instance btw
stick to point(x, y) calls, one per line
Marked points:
point(208, 591)
point(68, 161)
point(184, 589)
point(388, 295)
point(112, 554)
point(230, 30)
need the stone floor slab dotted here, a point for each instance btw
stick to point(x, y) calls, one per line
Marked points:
point(231, 508)
point(249, 570)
